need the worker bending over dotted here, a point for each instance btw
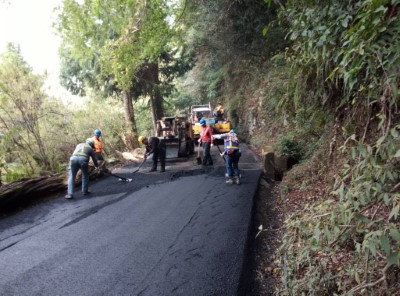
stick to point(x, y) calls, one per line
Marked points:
point(80, 160)
point(156, 147)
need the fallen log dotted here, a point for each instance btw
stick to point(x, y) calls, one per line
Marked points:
point(28, 189)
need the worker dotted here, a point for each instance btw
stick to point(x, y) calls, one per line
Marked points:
point(199, 116)
point(98, 145)
point(98, 150)
point(80, 160)
point(232, 155)
point(156, 147)
point(219, 112)
point(206, 142)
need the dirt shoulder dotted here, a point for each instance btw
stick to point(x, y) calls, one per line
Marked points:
point(260, 272)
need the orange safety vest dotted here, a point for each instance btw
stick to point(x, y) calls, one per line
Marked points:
point(98, 145)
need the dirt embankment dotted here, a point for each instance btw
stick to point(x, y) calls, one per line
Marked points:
point(260, 271)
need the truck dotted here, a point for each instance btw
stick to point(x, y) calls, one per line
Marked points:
point(220, 125)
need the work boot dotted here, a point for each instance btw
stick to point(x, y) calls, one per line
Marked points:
point(229, 181)
point(153, 170)
point(162, 170)
point(68, 196)
point(86, 193)
point(237, 180)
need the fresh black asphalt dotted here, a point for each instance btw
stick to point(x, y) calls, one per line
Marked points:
point(182, 232)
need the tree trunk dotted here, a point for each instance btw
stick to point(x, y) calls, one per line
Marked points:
point(131, 141)
point(156, 100)
point(30, 189)
point(154, 116)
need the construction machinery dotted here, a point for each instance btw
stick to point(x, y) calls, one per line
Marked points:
point(180, 133)
point(177, 133)
point(219, 124)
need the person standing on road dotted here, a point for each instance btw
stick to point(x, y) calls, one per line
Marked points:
point(80, 160)
point(156, 147)
point(206, 140)
point(232, 155)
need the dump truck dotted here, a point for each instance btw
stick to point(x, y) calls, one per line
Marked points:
point(219, 125)
point(177, 134)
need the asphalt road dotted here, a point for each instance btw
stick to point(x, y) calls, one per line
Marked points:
point(182, 232)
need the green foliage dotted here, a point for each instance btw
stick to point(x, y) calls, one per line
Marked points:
point(25, 115)
point(92, 29)
point(346, 51)
point(114, 40)
point(13, 172)
point(362, 225)
point(123, 47)
point(143, 121)
point(38, 133)
point(108, 116)
point(289, 146)
point(226, 34)
point(345, 57)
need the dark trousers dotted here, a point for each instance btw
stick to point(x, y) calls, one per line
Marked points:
point(207, 156)
point(159, 154)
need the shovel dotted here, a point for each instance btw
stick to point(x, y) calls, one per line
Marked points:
point(120, 178)
point(220, 153)
point(135, 171)
point(198, 155)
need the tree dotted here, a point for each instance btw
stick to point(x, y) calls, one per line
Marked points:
point(126, 40)
point(22, 98)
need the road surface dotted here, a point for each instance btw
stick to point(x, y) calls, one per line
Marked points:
point(182, 232)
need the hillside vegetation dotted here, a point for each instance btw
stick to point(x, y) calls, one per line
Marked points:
point(317, 80)
point(327, 95)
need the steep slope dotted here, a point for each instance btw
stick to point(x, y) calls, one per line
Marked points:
point(327, 96)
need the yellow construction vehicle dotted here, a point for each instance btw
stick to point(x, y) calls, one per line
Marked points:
point(219, 124)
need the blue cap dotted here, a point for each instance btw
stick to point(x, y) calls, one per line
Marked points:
point(97, 132)
point(232, 131)
point(202, 121)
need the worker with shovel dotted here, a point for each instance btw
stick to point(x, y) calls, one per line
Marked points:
point(98, 151)
point(206, 142)
point(80, 160)
point(232, 155)
point(156, 147)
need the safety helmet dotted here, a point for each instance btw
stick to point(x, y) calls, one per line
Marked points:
point(97, 132)
point(140, 139)
point(202, 121)
point(90, 142)
point(232, 131)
